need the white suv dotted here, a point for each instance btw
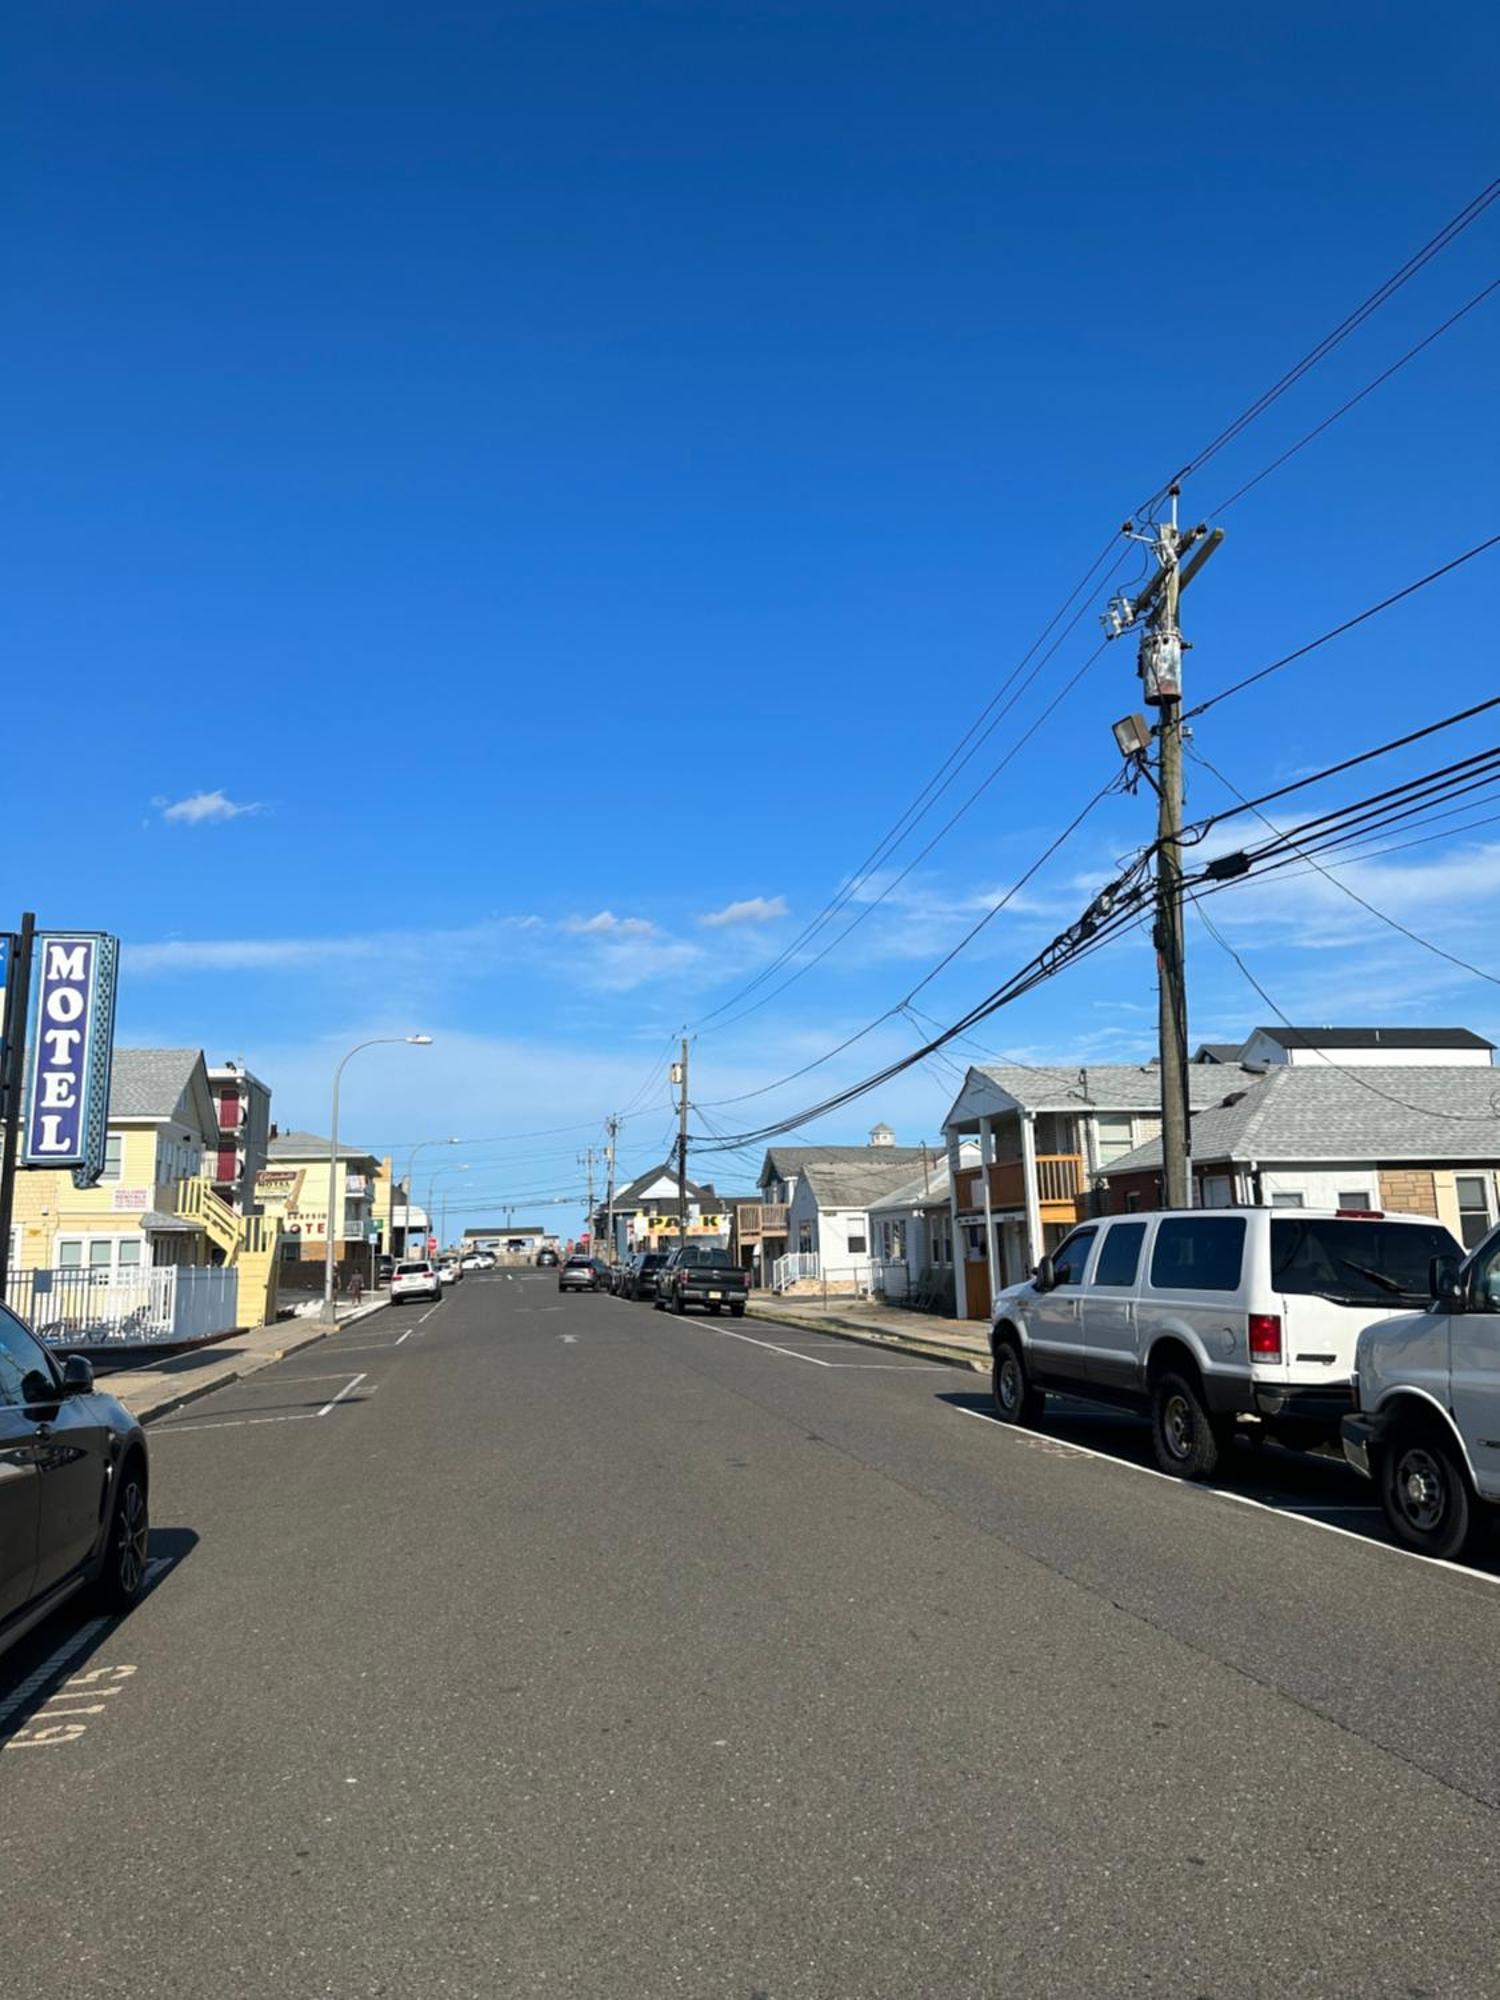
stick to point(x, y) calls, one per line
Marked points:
point(1202, 1317)
point(417, 1280)
point(1426, 1422)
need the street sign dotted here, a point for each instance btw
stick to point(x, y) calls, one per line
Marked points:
point(372, 1235)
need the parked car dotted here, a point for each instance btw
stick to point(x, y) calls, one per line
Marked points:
point(487, 1260)
point(548, 1257)
point(1425, 1427)
point(416, 1278)
point(473, 1262)
point(617, 1276)
point(1200, 1318)
point(639, 1278)
point(702, 1274)
point(384, 1267)
point(74, 1484)
point(579, 1274)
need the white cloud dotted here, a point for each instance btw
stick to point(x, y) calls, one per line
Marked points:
point(604, 923)
point(752, 910)
point(201, 807)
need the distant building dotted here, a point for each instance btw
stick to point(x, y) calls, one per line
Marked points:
point(243, 1103)
point(293, 1187)
point(1352, 1048)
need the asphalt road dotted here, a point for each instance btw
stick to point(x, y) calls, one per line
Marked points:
point(552, 1646)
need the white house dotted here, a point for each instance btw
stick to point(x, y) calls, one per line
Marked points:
point(911, 1234)
point(828, 1216)
point(1355, 1048)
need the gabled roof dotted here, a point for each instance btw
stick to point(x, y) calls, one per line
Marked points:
point(1375, 1038)
point(1217, 1052)
point(782, 1161)
point(1080, 1087)
point(926, 1191)
point(856, 1183)
point(309, 1146)
point(634, 1196)
point(163, 1083)
point(1376, 1113)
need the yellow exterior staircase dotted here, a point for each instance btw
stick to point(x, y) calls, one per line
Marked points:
point(251, 1243)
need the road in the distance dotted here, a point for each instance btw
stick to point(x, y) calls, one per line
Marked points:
point(560, 1647)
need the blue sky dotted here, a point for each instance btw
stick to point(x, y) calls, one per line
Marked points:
point(524, 480)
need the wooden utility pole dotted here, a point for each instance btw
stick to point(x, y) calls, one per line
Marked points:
point(1160, 668)
point(587, 1160)
point(680, 1078)
point(612, 1126)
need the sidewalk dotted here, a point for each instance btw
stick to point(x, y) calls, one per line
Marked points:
point(152, 1392)
point(963, 1342)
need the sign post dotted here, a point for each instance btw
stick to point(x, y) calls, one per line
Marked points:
point(12, 1059)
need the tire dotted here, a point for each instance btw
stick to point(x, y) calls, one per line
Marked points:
point(679, 1305)
point(1186, 1441)
point(1017, 1400)
point(715, 1310)
point(122, 1576)
point(1425, 1493)
point(656, 1304)
point(736, 1312)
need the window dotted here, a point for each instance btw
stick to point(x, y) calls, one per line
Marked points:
point(1355, 1198)
point(1473, 1207)
point(1198, 1255)
point(1120, 1254)
point(1216, 1191)
point(114, 1149)
point(804, 1238)
point(1285, 1200)
point(857, 1246)
point(1356, 1263)
point(69, 1253)
point(21, 1362)
point(1070, 1256)
point(1114, 1136)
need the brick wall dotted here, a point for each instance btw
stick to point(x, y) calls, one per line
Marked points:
point(1408, 1188)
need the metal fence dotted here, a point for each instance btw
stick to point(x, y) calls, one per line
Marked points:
point(162, 1303)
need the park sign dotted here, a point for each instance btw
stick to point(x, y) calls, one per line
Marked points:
point(72, 1046)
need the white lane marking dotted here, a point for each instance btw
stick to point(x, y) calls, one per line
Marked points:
point(348, 1386)
point(1241, 1500)
point(770, 1346)
point(407, 1335)
point(906, 1367)
point(428, 1314)
point(568, 1339)
point(230, 1424)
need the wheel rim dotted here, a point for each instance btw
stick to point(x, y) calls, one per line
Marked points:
point(1177, 1425)
point(1008, 1382)
point(133, 1533)
point(1421, 1489)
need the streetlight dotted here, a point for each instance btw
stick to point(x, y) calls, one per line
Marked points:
point(457, 1167)
point(417, 1041)
point(411, 1189)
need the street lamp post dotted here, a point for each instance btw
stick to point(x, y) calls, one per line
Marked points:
point(411, 1188)
point(459, 1167)
point(417, 1041)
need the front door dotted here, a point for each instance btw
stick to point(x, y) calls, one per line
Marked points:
point(1054, 1322)
point(69, 1445)
point(1474, 1349)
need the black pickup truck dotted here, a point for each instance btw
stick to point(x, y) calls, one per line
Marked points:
point(702, 1275)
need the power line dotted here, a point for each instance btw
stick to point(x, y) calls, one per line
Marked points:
point(1360, 618)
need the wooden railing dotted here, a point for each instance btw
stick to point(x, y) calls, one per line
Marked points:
point(197, 1202)
point(1059, 1181)
point(756, 1219)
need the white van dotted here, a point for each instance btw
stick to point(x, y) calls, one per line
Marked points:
point(1426, 1419)
point(1203, 1317)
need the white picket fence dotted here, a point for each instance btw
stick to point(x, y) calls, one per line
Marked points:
point(154, 1303)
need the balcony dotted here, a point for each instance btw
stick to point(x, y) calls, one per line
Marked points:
point(1059, 1185)
point(755, 1220)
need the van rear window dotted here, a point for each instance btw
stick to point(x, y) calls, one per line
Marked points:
point(1198, 1254)
point(1365, 1263)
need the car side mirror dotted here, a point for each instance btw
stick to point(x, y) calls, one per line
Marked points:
point(1045, 1275)
point(78, 1376)
point(1445, 1280)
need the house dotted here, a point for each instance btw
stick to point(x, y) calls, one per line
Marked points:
point(293, 1187)
point(762, 1231)
point(163, 1128)
point(1425, 1140)
point(1044, 1137)
point(516, 1241)
point(647, 1215)
point(828, 1215)
point(911, 1236)
point(1350, 1048)
point(243, 1103)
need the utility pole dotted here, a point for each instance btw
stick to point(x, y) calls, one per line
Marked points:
point(680, 1078)
point(612, 1126)
point(1160, 669)
point(587, 1160)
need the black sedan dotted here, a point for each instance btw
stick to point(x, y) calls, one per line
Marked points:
point(74, 1478)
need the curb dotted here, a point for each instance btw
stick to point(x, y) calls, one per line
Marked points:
point(191, 1392)
point(930, 1350)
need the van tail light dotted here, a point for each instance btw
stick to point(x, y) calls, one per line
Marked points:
point(1265, 1336)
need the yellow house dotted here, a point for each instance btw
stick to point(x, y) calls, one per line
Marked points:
point(293, 1189)
point(163, 1126)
